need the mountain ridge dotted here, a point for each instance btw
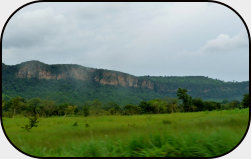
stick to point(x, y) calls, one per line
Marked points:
point(34, 74)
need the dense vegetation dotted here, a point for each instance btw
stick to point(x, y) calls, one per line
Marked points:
point(184, 103)
point(200, 134)
point(77, 92)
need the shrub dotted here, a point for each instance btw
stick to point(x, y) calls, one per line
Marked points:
point(33, 121)
point(165, 122)
point(75, 124)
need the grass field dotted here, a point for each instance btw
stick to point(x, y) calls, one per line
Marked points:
point(203, 134)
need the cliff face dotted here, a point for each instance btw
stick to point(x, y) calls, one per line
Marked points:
point(35, 69)
point(77, 84)
point(125, 80)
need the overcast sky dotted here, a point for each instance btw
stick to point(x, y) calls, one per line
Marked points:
point(171, 39)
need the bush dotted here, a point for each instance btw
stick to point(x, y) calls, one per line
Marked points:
point(75, 124)
point(86, 111)
point(165, 122)
point(33, 121)
point(131, 109)
point(245, 101)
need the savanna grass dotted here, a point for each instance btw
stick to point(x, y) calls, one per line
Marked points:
point(203, 134)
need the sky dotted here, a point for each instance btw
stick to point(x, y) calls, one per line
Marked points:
point(158, 39)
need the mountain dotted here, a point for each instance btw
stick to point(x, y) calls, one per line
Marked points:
point(77, 84)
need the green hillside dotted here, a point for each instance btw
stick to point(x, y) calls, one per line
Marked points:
point(80, 84)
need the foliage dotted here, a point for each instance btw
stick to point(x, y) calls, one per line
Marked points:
point(186, 99)
point(86, 111)
point(33, 122)
point(245, 101)
point(131, 109)
point(198, 103)
point(47, 108)
point(69, 110)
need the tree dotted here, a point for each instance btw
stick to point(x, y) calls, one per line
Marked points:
point(95, 107)
point(186, 99)
point(3, 103)
point(34, 106)
point(145, 107)
point(110, 105)
point(97, 104)
point(17, 104)
point(234, 104)
point(86, 111)
point(69, 110)
point(157, 106)
point(114, 109)
point(48, 108)
point(198, 102)
point(130, 109)
point(61, 109)
point(172, 105)
point(211, 105)
point(33, 122)
point(245, 101)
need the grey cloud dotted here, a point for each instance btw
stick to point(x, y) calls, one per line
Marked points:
point(32, 28)
point(137, 38)
point(224, 42)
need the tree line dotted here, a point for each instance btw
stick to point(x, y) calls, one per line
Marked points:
point(183, 103)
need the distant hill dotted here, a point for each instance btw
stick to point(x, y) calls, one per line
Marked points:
point(77, 84)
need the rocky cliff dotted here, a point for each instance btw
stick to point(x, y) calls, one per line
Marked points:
point(76, 84)
point(39, 70)
point(36, 69)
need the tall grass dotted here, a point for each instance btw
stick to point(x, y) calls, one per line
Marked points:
point(203, 134)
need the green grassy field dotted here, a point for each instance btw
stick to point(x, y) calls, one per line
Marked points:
point(203, 134)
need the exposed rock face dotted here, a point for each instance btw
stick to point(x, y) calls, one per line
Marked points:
point(147, 84)
point(39, 70)
point(35, 69)
point(125, 80)
point(115, 78)
point(30, 70)
point(75, 78)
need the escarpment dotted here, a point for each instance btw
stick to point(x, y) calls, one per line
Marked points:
point(38, 70)
point(122, 79)
point(75, 83)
